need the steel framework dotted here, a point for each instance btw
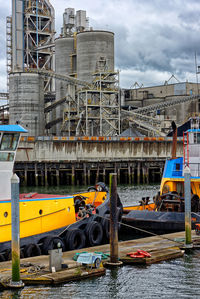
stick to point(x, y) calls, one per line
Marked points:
point(96, 111)
point(140, 116)
point(32, 28)
point(39, 30)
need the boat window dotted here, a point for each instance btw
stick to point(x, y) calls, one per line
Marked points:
point(178, 166)
point(196, 137)
point(9, 141)
point(7, 156)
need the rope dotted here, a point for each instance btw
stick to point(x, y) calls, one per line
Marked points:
point(140, 229)
point(71, 225)
point(195, 214)
point(124, 224)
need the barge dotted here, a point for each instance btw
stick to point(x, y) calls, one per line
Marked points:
point(166, 213)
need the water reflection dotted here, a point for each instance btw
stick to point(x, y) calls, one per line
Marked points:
point(113, 283)
point(177, 278)
point(27, 292)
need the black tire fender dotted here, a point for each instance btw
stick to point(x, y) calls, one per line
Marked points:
point(90, 189)
point(52, 242)
point(21, 252)
point(32, 250)
point(105, 222)
point(2, 257)
point(74, 239)
point(7, 254)
point(94, 233)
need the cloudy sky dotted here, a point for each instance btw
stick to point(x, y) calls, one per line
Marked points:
point(153, 38)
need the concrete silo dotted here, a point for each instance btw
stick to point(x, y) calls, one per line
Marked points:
point(26, 102)
point(33, 31)
point(91, 47)
point(64, 49)
point(99, 105)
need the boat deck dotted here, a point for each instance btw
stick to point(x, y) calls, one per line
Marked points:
point(35, 270)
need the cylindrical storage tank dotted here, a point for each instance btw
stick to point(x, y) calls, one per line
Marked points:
point(26, 102)
point(92, 46)
point(64, 47)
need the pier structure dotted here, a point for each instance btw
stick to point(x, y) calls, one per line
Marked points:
point(84, 160)
point(160, 248)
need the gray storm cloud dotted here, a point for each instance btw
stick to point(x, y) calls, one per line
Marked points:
point(153, 38)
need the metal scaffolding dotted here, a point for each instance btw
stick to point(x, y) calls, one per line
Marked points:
point(32, 28)
point(96, 111)
point(39, 30)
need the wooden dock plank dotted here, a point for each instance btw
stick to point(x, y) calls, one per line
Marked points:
point(160, 248)
point(63, 276)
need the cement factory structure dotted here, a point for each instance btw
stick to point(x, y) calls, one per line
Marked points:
point(68, 85)
point(81, 124)
point(63, 86)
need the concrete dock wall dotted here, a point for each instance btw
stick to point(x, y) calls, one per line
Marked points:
point(85, 160)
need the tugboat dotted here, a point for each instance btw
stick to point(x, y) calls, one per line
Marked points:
point(166, 213)
point(47, 221)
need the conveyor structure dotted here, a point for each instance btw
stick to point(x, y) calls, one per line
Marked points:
point(140, 116)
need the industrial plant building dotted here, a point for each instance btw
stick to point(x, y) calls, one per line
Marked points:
point(68, 85)
point(64, 89)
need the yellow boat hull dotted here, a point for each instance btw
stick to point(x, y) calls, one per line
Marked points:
point(42, 215)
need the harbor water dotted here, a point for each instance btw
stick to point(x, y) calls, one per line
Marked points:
point(177, 278)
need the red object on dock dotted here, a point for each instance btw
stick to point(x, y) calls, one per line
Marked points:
point(139, 254)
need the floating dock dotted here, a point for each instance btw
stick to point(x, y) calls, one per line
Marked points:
point(35, 270)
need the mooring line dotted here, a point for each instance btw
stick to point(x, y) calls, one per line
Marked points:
point(140, 229)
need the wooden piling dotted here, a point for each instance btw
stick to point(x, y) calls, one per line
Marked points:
point(161, 173)
point(118, 176)
point(36, 175)
point(138, 173)
point(57, 178)
point(45, 175)
point(84, 174)
point(89, 182)
point(143, 175)
point(42, 178)
point(25, 176)
point(73, 175)
point(147, 174)
point(97, 175)
point(129, 173)
point(133, 175)
point(104, 174)
point(113, 218)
